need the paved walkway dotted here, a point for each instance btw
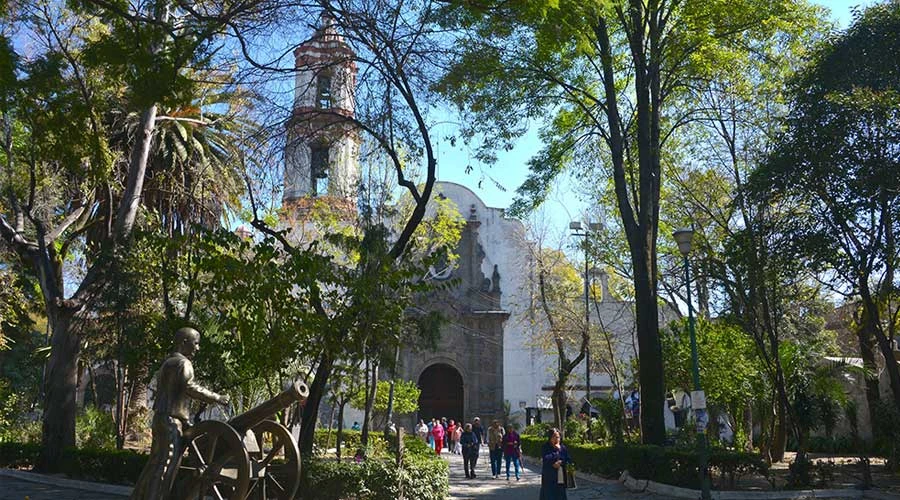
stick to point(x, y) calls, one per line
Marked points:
point(484, 487)
point(16, 489)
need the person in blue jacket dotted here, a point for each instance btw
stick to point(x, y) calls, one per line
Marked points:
point(555, 458)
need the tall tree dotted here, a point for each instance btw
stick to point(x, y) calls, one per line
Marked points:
point(71, 189)
point(838, 161)
point(612, 74)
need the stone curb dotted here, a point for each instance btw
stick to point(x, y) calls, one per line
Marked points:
point(645, 485)
point(108, 489)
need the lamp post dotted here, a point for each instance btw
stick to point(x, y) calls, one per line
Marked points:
point(580, 232)
point(698, 397)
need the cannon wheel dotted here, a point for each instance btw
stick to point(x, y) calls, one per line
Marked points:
point(279, 461)
point(216, 464)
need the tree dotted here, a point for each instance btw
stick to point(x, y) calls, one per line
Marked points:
point(837, 162)
point(615, 76)
point(730, 368)
point(397, 50)
point(557, 316)
point(406, 397)
point(72, 188)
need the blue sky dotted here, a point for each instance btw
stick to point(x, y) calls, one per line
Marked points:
point(511, 169)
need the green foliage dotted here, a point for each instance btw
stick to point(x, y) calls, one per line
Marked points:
point(730, 369)
point(16, 455)
point(539, 430)
point(104, 465)
point(611, 418)
point(406, 397)
point(666, 465)
point(95, 429)
point(423, 475)
point(576, 430)
point(804, 473)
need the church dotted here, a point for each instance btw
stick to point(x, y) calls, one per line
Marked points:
point(485, 363)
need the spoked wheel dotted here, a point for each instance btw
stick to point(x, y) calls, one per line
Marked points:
point(215, 464)
point(276, 464)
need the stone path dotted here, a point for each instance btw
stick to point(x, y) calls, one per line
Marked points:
point(16, 489)
point(483, 487)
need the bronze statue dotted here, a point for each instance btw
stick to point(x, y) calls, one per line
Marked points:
point(175, 388)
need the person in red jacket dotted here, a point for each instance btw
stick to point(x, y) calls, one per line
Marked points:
point(438, 433)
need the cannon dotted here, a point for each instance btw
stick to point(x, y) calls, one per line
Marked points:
point(251, 456)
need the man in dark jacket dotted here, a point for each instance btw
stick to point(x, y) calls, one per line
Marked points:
point(470, 445)
point(478, 430)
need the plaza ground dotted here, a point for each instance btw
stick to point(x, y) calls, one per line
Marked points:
point(484, 487)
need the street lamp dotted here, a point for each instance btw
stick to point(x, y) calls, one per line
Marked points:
point(683, 238)
point(576, 228)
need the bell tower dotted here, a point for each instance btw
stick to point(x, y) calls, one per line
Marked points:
point(321, 154)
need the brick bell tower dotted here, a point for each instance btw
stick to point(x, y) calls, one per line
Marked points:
point(321, 154)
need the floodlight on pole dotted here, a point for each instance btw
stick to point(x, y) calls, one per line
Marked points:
point(683, 237)
point(592, 227)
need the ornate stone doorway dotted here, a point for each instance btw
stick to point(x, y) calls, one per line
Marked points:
point(442, 393)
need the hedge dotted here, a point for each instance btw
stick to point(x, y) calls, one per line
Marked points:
point(104, 465)
point(674, 466)
point(424, 476)
point(18, 455)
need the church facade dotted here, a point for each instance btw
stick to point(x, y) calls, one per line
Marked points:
point(486, 362)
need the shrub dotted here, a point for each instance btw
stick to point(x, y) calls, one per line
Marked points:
point(540, 430)
point(576, 429)
point(351, 441)
point(423, 477)
point(95, 429)
point(18, 455)
point(22, 432)
point(103, 465)
point(665, 465)
point(415, 446)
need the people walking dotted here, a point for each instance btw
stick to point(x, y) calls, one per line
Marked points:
point(430, 434)
point(438, 433)
point(457, 434)
point(422, 430)
point(478, 430)
point(495, 446)
point(554, 459)
point(511, 450)
point(469, 451)
point(451, 430)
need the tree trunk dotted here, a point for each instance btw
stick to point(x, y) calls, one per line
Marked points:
point(779, 432)
point(131, 197)
point(651, 378)
point(559, 405)
point(871, 315)
point(340, 429)
point(748, 427)
point(311, 409)
point(866, 340)
point(58, 429)
point(371, 393)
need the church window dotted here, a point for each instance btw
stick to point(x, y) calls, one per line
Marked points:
point(318, 162)
point(323, 91)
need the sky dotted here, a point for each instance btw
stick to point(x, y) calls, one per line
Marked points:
point(496, 184)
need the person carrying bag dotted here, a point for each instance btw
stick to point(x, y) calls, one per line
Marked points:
point(556, 473)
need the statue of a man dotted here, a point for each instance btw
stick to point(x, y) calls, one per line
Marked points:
point(175, 386)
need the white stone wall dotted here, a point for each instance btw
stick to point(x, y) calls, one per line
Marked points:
point(525, 368)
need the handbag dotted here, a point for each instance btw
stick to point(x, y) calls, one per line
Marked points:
point(570, 479)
